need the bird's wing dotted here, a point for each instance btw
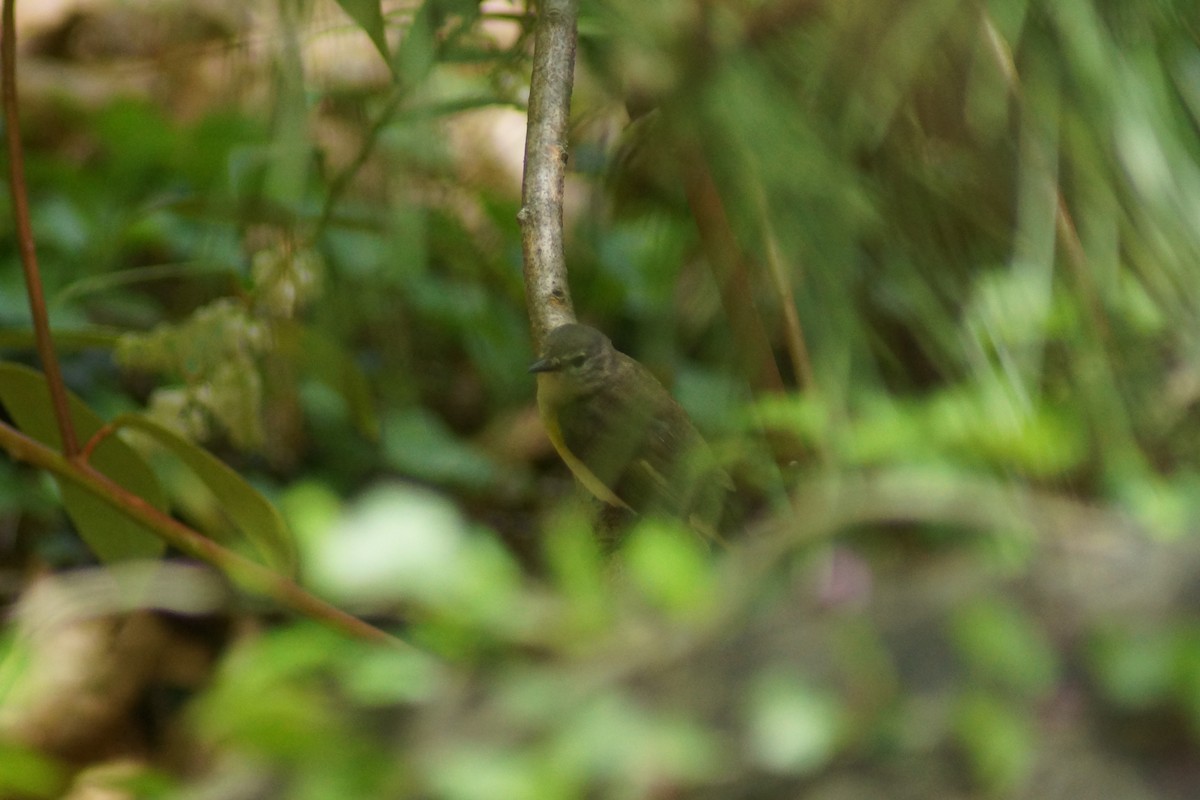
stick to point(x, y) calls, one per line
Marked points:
point(691, 480)
point(604, 432)
point(640, 443)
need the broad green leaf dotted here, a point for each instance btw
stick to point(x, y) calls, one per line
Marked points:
point(369, 17)
point(109, 533)
point(252, 514)
point(999, 740)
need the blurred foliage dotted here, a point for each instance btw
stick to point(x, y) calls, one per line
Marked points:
point(297, 246)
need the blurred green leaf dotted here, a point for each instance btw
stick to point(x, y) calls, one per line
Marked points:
point(395, 542)
point(611, 738)
point(804, 416)
point(1003, 645)
point(489, 593)
point(967, 424)
point(369, 16)
point(792, 727)
point(420, 445)
point(1044, 442)
point(269, 696)
point(1167, 507)
point(405, 543)
point(671, 565)
point(138, 138)
point(998, 740)
point(27, 773)
point(384, 677)
point(310, 508)
point(539, 695)
point(577, 566)
point(108, 532)
point(417, 51)
point(1135, 668)
point(255, 517)
point(1187, 672)
point(885, 431)
point(482, 772)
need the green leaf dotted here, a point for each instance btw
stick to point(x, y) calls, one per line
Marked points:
point(671, 566)
point(468, 771)
point(384, 677)
point(417, 443)
point(998, 740)
point(108, 532)
point(26, 773)
point(793, 727)
point(1002, 644)
point(417, 52)
point(257, 519)
point(576, 564)
point(369, 16)
point(310, 508)
point(396, 542)
point(1135, 668)
point(613, 738)
point(995, 428)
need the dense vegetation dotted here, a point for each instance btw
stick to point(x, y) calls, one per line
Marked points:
point(925, 272)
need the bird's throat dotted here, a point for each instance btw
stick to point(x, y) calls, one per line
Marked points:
point(550, 395)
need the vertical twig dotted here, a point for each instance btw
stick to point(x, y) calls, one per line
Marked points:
point(546, 289)
point(1064, 226)
point(797, 347)
point(24, 233)
point(731, 272)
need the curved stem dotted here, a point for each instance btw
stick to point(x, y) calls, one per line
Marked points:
point(96, 439)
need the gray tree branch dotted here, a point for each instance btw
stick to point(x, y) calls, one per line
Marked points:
point(546, 289)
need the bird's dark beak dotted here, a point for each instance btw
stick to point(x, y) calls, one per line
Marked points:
point(545, 365)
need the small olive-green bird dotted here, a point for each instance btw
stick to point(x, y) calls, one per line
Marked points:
point(622, 434)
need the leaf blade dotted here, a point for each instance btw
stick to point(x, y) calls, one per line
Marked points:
point(369, 16)
point(109, 533)
point(253, 515)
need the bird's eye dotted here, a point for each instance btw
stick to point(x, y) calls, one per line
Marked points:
point(577, 361)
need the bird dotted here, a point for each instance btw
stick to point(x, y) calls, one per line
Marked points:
point(623, 435)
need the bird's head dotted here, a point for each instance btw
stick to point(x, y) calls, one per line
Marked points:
point(578, 358)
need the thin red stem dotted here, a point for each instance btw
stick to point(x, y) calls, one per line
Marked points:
point(97, 438)
point(24, 233)
point(241, 570)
